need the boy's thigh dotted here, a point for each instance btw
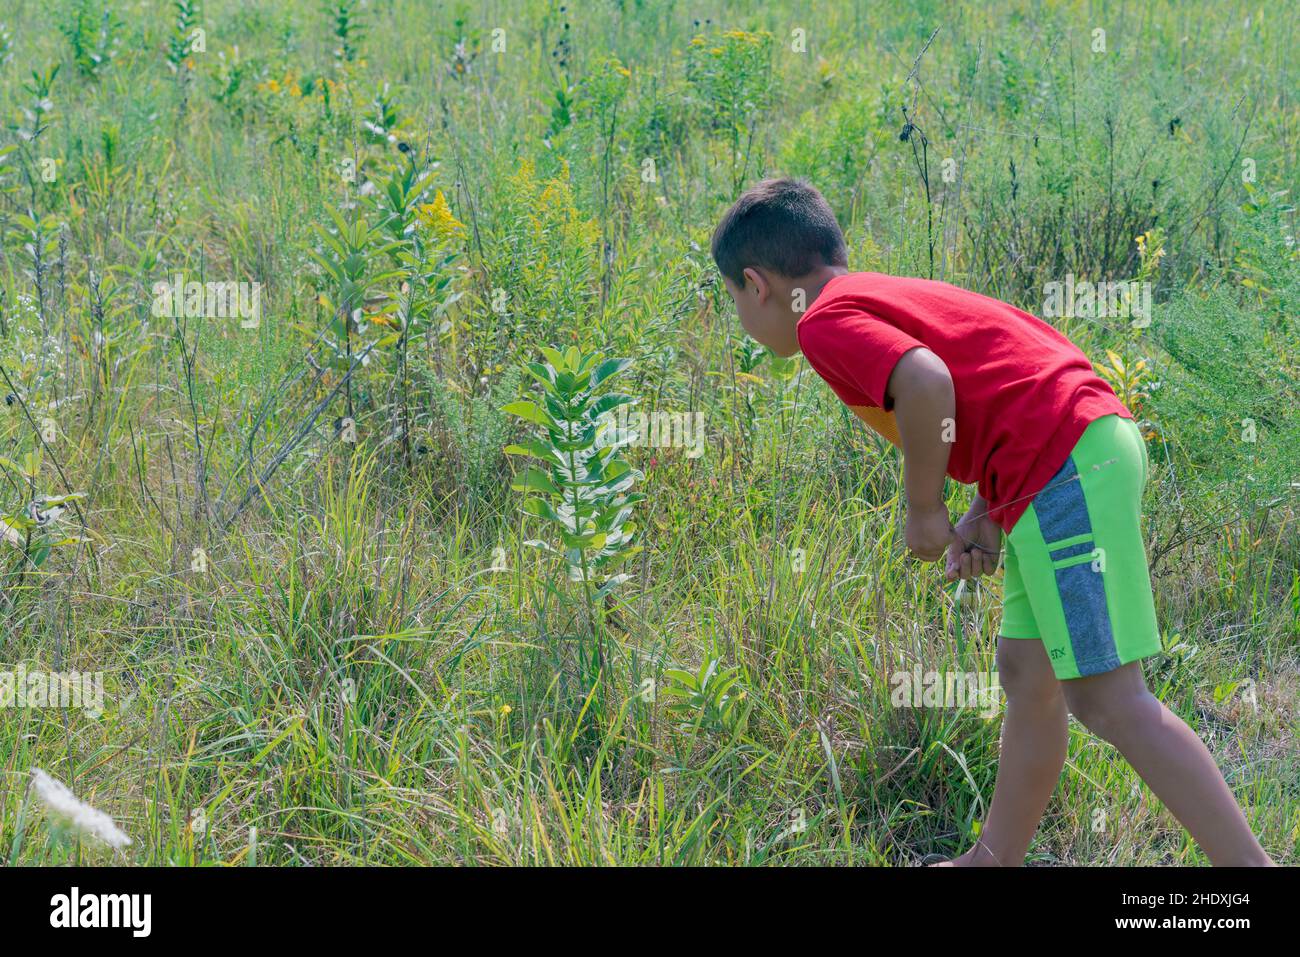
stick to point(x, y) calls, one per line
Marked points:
point(1080, 558)
point(1024, 669)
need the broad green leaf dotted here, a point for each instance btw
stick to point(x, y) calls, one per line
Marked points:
point(534, 447)
point(610, 585)
point(610, 367)
point(556, 359)
point(605, 403)
point(535, 479)
point(529, 411)
point(542, 509)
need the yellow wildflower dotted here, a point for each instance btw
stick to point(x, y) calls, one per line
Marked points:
point(438, 218)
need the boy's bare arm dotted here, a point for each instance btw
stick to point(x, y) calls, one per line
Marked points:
point(923, 397)
point(925, 405)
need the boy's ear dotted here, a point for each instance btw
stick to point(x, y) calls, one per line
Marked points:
point(762, 288)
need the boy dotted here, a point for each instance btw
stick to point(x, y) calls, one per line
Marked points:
point(971, 387)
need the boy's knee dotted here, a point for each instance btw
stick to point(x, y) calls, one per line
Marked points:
point(1025, 681)
point(1104, 712)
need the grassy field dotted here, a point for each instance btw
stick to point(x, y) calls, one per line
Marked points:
point(276, 514)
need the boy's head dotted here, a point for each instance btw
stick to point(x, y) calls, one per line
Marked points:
point(778, 238)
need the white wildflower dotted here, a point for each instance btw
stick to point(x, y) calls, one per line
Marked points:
point(63, 804)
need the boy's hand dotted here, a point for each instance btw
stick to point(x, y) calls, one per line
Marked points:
point(928, 531)
point(975, 547)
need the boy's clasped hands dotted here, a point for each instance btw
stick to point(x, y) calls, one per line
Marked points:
point(972, 545)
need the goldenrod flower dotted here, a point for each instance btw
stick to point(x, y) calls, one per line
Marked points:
point(438, 218)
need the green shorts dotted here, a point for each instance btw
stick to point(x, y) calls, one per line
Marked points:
point(1076, 574)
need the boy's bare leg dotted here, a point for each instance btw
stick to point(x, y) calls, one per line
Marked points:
point(1169, 757)
point(1034, 738)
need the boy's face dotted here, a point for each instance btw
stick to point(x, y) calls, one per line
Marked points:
point(765, 312)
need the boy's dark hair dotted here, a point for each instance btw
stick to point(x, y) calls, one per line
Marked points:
point(784, 225)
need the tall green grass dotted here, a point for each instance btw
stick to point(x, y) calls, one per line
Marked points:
point(373, 668)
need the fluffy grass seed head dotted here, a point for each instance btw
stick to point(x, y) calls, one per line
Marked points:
point(62, 804)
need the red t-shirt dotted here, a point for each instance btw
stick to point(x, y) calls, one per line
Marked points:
point(1024, 392)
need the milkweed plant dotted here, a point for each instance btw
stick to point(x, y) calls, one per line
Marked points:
point(579, 483)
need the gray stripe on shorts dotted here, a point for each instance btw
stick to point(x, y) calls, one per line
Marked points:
point(1062, 513)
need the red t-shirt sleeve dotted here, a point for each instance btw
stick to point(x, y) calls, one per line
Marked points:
point(855, 353)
